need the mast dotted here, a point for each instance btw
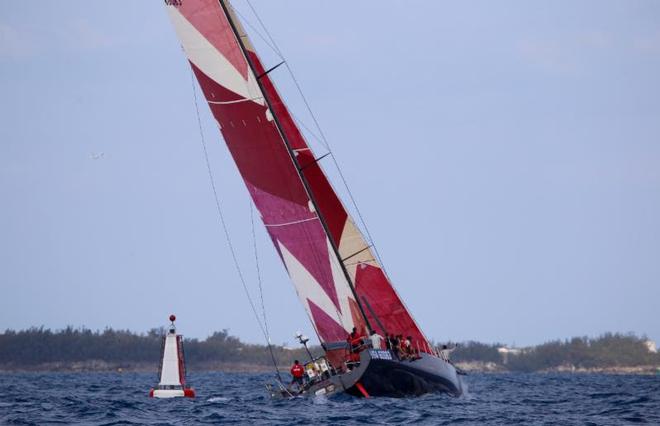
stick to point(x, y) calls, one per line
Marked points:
point(292, 155)
point(336, 275)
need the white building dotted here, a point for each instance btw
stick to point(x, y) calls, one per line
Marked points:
point(650, 345)
point(505, 352)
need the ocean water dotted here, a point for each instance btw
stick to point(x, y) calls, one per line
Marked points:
point(222, 398)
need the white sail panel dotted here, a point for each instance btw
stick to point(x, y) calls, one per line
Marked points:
point(269, 171)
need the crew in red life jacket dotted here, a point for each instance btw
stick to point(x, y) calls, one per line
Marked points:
point(356, 343)
point(356, 340)
point(352, 337)
point(298, 372)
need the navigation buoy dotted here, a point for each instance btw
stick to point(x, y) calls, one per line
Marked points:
point(172, 379)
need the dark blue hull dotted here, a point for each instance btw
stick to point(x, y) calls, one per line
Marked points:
point(381, 374)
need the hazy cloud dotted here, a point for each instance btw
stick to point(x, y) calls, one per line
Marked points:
point(548, 54)
point(649, 43)
point(74, 36)
point(567, 53)
point(13, 42)
point(321, 40)
point(81, 35)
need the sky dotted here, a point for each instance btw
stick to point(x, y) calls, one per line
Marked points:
point(505, 156)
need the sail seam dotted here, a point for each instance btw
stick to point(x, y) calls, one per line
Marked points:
point(234, 102)
point(325, 142)
point(317, 256)
point(295, 222)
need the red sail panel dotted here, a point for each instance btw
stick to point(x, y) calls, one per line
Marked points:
point(257, 146)
point(263, 160)
point(369, 280)
point(328, 203)
point(375, 290)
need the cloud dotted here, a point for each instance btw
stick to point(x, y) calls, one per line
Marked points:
point(14, 43)
point(566, 53)
point(74, 36)
point(322, 40)
point(571, 52)
point(649, 43)
point(80, 35)
point(548, 54)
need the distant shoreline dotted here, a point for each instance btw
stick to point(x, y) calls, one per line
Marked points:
point(97, 366)
point(84, 350)
point(489, 367)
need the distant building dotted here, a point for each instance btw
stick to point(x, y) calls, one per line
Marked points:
point(650, 345)
point(512, 351)
point(505, 352)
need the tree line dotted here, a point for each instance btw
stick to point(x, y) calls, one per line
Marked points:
point(37, 346)
point(607, 350)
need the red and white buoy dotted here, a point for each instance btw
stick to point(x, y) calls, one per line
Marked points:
point(172, 381)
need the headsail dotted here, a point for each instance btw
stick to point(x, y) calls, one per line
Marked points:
point(322, 249)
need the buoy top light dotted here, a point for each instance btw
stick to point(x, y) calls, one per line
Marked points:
point(172, 318)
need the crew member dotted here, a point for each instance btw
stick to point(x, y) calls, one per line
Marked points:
point(355, 340)
point(376, 340)
point(298, 372)
point(396, 345)
point(404, 347)
point(445, 352)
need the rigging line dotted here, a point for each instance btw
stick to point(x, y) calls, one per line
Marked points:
point(350, 194)
point(274, 48)
point(307, 106)
point(304, 126)
point(256, 263)
point(357, 209)
point(224, 225)
point(332, 243)
point(261, 293)
point(334, 160)
point(293, 77)
point(278, 52)
point(323, 137)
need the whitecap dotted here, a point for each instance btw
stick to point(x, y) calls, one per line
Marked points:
point(320, 400)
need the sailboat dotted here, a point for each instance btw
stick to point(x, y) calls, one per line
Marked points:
point(339, 281)
point(172, 377)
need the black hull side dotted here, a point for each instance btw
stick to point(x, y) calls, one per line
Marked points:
point(380, 374)
point(394, 378)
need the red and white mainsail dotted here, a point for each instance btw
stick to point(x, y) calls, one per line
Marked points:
point(325, 254)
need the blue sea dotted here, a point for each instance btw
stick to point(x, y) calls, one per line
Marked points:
point(223, 398)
